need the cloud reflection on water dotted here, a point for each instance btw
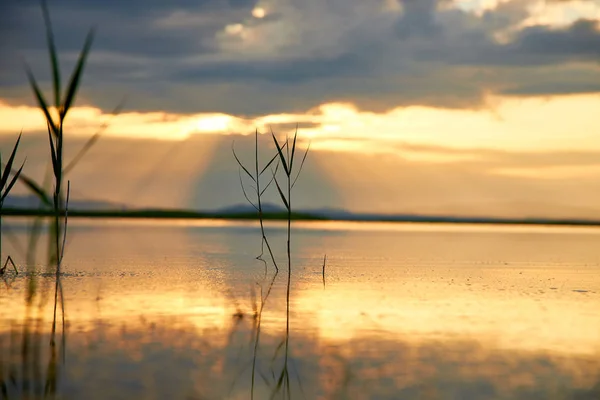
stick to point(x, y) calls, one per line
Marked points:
point(406, 313)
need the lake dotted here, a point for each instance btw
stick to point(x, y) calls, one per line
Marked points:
point(184, 310)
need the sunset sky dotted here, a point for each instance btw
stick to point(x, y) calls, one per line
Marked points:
point(460, 107)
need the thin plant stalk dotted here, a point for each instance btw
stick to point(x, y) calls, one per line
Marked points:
point(62, 102)
point(5, 188)
point(55, 112)
point(259, 192)
point(57, 285)
point(287, 163)
point(259, 313)
point(324, 263)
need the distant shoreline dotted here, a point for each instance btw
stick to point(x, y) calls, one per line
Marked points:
point(299, 216)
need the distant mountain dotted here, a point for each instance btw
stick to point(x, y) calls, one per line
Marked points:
point(345, 215)
point(329, 213)
point(247, 208)
point(33, 203)
point(322, 213)
point(29, 205)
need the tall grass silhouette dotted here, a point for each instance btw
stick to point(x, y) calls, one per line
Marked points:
point(287, 159)
point(257, 204)
point(55, 113)
point(286, 154)
point(5, 188)
point(259, 191)
point(63, 100)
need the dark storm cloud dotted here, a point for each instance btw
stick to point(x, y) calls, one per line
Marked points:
point(128, 27)
point(284, 71)
point(418, 19)
point(581, 40)
point(177, 56)
point(552, 88)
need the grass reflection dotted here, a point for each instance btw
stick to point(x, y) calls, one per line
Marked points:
point(168, 357)
point(31, 360)
point(164, 342)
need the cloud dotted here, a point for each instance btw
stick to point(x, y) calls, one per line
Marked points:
point(212, 56)
point(534, 123)
point(578, 42)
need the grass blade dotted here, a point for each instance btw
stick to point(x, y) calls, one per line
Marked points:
point(55, 165)
point(293, 149)
point(3, 269)
point(271, 161)
point(53, 55)
point(240, 163)
point(324, 265)
point(64, 239)
point(269, 164)
point(270, 181)
point(280, 380)
point(264, 378)
point(38, 191)
point(277, 349)
point(41, 101)
point(281, 156)
point(59, 149)
point(281, 193)
point(9, 163)
point(256, 157)
point(287, 150)
point(301, 165)
point(12, 182)
point(76, 76)
point(278, 385)
point(244, 190)
point(91, 141)
point(13, 264)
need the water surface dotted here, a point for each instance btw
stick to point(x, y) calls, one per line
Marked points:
point(184, 310)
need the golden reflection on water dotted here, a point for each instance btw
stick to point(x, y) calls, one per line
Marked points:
point(346, 311)
point(199, 355)
point(437, 324)
point(349, 311)
point(494, 320)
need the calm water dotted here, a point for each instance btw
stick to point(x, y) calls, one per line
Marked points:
point(182, 311)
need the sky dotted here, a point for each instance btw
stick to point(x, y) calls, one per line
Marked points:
point(454, 107)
